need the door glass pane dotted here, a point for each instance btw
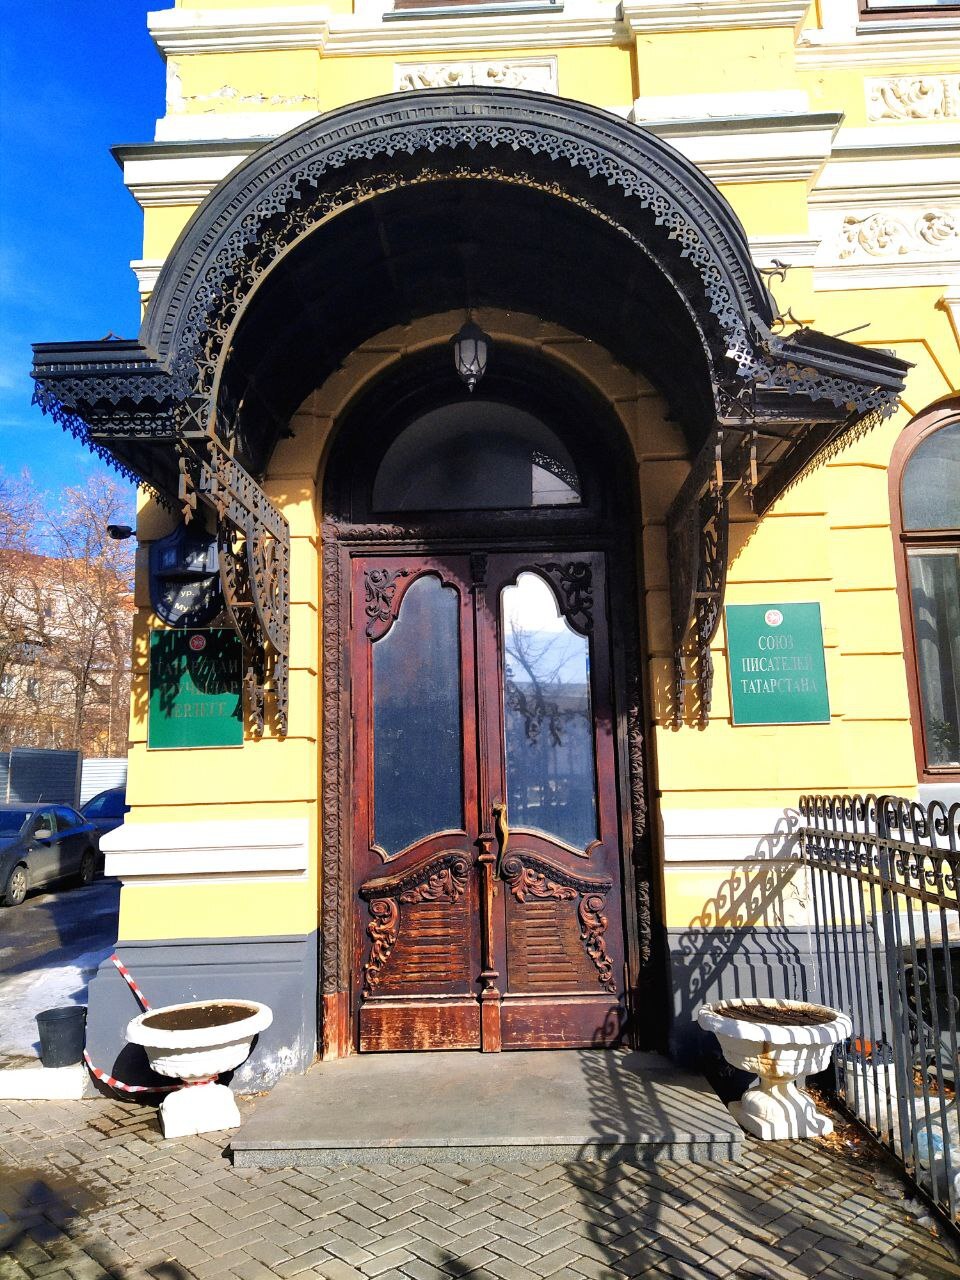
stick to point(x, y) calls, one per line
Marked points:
point(474, 456)
point(931, 482)
point(935, 595)
point(547, 716)
point(418, 769)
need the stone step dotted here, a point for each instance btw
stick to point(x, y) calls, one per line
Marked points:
point(408, 1108)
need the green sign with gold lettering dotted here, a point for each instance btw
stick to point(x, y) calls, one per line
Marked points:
point(776, 664)
point(196, 689)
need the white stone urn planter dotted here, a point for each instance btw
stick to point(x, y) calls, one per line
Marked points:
point(781, 1041)
point(195, 1042)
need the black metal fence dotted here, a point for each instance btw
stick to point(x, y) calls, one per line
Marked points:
point(884, 875)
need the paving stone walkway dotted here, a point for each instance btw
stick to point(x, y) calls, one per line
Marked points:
point(90, 1190)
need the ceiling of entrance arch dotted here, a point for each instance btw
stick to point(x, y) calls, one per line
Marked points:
point(444, 246)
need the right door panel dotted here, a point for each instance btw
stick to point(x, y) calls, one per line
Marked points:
point(550, 761)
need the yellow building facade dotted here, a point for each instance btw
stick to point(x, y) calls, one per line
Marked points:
point(715, 252)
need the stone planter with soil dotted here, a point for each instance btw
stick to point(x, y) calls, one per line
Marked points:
point(196, 1042)
point(782, 1042)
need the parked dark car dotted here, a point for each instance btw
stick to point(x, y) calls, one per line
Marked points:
point(40, 843)
point(106, 810)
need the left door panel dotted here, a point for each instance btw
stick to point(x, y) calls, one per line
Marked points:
point(415, 775)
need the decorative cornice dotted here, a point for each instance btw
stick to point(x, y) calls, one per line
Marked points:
point(754, 148)
point(791, 251)
point(146, 270)
point(188, 31)
point(885, 275)
point(188, 179)
point(712, 15)
point(918, 162)
point(928, 44)
point(179, 31)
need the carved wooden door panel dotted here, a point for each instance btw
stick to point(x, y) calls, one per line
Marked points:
point(486, 837)
point(550, 773)
point(415, 801)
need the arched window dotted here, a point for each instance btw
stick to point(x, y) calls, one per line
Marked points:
point(475, 456)
point(925, 479)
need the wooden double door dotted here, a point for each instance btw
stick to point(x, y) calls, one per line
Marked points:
point(486, 848)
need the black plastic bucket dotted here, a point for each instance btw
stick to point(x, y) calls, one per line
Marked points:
point(62, 1033)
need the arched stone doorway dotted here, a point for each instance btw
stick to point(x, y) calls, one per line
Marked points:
point(489, 844)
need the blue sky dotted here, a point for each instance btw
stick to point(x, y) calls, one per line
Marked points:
point(76, 76)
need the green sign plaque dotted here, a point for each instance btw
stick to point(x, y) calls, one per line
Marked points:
point(776, 665)
point(196, 689)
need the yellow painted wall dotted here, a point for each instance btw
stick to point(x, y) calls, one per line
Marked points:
point(828, 539)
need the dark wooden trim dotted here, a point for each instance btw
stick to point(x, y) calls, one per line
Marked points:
point(928, 421)
point(611, 529)
point(913, 13)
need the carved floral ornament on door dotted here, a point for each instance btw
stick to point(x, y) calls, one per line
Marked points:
point(176, 409)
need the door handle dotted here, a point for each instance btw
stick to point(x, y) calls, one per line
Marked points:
point(501, 829)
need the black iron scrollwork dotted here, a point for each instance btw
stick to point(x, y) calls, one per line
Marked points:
point(254, 551)
point(573, 582)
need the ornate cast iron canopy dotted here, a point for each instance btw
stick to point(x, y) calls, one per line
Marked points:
point(378, 213)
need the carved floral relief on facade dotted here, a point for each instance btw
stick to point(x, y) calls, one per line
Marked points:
point(913, 98)
point(891, 235)
point(524, 73)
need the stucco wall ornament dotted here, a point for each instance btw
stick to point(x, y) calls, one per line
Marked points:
point(229, 93)
point(892, 235)
point(522, 73)
point(913, 98)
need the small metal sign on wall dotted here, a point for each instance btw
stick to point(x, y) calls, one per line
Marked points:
point(196, 689)
point(776, 665)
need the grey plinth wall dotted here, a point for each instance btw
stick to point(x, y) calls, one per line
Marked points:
point(739, 963)
point(281, 972)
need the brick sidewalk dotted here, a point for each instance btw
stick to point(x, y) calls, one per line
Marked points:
point(91, 1190)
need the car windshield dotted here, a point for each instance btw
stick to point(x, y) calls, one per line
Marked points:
point(11, 820)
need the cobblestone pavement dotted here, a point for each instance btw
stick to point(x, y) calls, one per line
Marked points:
point(91, 1190)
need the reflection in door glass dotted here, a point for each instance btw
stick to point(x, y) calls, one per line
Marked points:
point(547, 716)
point(417, 757)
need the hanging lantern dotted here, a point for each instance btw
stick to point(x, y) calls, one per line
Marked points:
point(470, 348)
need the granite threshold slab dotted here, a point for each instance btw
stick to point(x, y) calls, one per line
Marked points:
point(465, 1107)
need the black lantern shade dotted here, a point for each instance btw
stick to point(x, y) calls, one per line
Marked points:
point(470, 348)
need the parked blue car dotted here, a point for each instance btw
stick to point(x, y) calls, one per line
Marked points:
point(40, 843)
point(107, 809)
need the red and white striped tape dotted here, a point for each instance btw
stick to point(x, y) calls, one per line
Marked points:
point(127, 976)
point(111, 1081)
point(131, 1088)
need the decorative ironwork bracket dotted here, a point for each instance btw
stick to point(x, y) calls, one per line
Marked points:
point(697, 525)
point(253, 541)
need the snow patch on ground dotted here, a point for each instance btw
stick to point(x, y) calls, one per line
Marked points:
point(27, 994)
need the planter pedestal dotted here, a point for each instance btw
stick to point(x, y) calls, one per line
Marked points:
point(780, 1053)
point(777, 1109)
point(198, 1108)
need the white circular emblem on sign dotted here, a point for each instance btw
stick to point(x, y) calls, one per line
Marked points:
point(773, 617)
point(198, 643)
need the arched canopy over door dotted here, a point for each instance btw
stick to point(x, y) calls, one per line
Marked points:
point(418, 202)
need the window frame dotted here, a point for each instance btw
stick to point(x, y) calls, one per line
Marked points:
point(943, 414)
point(908, 12)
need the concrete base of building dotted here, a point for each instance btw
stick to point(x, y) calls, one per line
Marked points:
point(280, 971)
